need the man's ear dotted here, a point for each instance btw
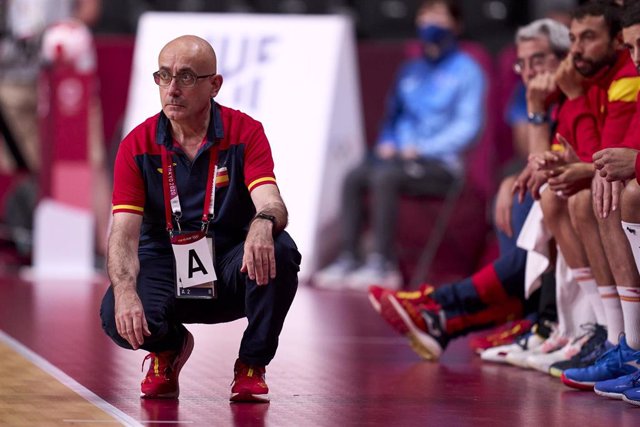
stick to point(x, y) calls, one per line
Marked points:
point(618, 41)
point(217, 84)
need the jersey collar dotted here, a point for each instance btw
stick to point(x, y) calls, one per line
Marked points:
point(214, 132)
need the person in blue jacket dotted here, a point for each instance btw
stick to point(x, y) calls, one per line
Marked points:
point(434, 114)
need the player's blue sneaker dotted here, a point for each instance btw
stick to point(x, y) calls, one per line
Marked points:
point(632, 396)
point(616, 387)
point(619, 361)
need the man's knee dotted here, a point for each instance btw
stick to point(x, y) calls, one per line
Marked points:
point(155, 314)
point(581, 208)
point(553, 208)
point(108, 319)
point(287, 256)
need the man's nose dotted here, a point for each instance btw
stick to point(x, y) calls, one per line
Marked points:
point(173, 86)
point(576, 47)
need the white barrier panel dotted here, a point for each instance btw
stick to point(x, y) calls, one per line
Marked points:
point(63, 243)
point(295, 74)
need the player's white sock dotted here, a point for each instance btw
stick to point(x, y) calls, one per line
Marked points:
point(584, 279)
point(613, 312)
point(630, 302)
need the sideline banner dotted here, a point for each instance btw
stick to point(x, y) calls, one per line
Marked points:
point(295, 74)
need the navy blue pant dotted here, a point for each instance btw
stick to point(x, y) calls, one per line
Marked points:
point(264, 306)
point(495, 283)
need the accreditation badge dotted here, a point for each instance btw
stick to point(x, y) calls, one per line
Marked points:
point(195, 273)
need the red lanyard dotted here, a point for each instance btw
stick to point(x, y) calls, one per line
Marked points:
point(171, 198)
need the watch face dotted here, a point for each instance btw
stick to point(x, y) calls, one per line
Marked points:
point(537, 118)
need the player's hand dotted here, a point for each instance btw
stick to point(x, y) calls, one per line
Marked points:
point(567, 180)
point(535, 183)
point(131, 322)
point(616, 164)
point(567, 152)
point(520, 184)
point(568, 79)
point(606, 195)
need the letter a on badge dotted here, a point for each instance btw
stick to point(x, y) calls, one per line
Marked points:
point(193, 258)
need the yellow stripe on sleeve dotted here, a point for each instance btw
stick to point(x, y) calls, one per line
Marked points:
point(127, 207)
point(625, 89)
point(260, 181)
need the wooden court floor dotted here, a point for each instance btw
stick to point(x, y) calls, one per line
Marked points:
point(338, 365)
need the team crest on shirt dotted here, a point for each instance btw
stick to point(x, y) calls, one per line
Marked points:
point(222, 177)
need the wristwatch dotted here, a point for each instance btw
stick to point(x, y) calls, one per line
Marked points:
point(266, 216)
point(538, 118)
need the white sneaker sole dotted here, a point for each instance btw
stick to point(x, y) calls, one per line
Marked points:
point(610, 395)
point(423, 344)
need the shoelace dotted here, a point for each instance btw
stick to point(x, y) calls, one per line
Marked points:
point(595, 342)
point(589, 347)
point(154, 357)
point(610, 355)
point(243, 371)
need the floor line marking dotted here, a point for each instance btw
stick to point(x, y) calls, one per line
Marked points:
point(65, 379)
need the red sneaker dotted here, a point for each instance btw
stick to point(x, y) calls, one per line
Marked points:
point(422, 323)
point(249, 384)
point(502, 335)
point(161, 381)
point(421, 295)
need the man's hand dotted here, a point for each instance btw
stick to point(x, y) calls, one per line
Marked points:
point(568, 79)
point(535, 183)
point(259, 260)
point(385, 150)
point(131, 322)
point(546, 161)
point(504, 203)
point(538, 90)
point(560, 154)
point(616, 164)
point(567, 180)
point(606, 195)
point(567, 152)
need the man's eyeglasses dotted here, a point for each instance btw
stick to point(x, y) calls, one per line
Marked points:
point(183, 78)
point(535, 62)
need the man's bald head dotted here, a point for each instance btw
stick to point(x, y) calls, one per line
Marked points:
point(194, 47)
point(194, 57)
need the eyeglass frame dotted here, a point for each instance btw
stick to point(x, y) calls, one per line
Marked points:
point(157, 79)
point(518, 66)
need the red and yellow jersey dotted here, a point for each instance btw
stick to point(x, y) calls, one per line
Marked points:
point(244, 163)
point(603, 116)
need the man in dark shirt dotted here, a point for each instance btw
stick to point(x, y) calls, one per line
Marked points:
point(197, 172)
